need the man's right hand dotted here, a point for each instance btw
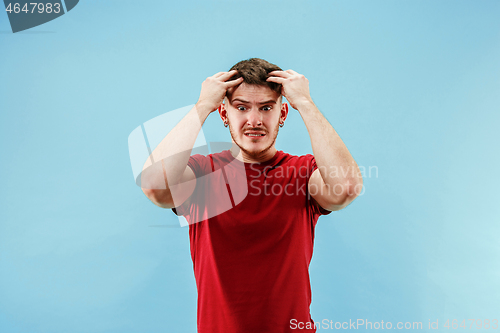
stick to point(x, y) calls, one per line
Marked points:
point(213, 90)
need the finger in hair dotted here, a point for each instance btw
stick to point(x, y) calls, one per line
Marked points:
point(233, 83)
point(276, 79)
point(280, 74)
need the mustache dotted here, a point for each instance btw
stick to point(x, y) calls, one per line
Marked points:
point(255, 129)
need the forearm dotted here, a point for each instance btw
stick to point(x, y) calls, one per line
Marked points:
point(335, 163)
point(169, 159)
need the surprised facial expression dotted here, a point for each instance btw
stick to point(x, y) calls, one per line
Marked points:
point(254, 113)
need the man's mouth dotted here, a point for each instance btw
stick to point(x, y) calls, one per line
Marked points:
point(254, 134)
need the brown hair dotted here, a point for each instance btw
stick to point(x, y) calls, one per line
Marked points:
point(255, 71)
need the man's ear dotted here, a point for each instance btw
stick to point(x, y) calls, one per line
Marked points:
point(223, 112)
point(283, 112)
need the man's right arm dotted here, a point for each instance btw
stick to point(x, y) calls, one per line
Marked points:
point(166, 179)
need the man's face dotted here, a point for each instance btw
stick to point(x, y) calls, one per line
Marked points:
point(254, 113)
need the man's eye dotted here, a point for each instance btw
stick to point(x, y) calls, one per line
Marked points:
point(241, 108)
point(267, 108)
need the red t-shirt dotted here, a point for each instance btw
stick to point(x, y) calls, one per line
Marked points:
point(251, 231)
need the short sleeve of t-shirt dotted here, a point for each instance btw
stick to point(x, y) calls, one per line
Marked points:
point(201, 166)
point(316, 208)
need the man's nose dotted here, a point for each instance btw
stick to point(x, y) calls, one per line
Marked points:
point(254, 118)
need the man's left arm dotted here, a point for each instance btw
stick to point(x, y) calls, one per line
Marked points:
point(337, 181)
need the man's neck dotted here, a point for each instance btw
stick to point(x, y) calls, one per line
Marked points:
point(244, 157)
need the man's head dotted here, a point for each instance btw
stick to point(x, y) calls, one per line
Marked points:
point(255, 71)
point(253, 109)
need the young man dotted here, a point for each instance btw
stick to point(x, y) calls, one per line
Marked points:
point(252, 210)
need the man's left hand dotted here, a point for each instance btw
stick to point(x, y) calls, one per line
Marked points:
point(295, 87)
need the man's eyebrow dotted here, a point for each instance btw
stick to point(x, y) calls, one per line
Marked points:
point(271, 101)
point(240, 100)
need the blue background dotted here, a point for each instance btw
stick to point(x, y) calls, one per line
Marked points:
point(412, 88)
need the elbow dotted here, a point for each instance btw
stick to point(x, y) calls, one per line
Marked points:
point(357, 188)
point(339, 202)
point(349, 192)
point(353, 190)
point(161, 198)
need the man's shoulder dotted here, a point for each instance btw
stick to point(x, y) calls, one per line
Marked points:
point(207, 163)
point(286, 158)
